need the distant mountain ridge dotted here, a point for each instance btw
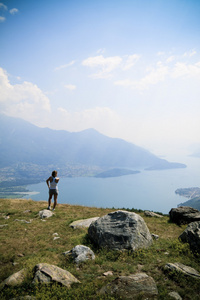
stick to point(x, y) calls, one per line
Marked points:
point(23, 142)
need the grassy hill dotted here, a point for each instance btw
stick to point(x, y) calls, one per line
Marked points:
point(23, 245)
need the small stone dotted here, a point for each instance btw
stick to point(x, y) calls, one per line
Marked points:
point(45, 213)
point(175, 295)
point(109, 273)
point(85, 223)
point(152, 214)
point(20, 255)
point(155, 236)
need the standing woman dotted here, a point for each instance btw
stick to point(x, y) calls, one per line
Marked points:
point(52, 182)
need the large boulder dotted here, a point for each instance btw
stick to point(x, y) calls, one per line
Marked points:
point(131, 287)
point(184, 215)
point(45, 273)
point(120, 230)
point(191, 235)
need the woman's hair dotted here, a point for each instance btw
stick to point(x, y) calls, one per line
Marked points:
point(54, 173)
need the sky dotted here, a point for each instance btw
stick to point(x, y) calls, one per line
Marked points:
point(128, 68)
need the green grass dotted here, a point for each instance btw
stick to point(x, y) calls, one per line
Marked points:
point(24, 245)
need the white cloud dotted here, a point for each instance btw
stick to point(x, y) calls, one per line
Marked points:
point(156, 75)
point(2, 19)
point(170, 59)
point(65, 65)
point(105, 65)
point(160, 53)
point(182, 69)
point(13, 11)
point(3, 6)
point(24, 100)
point(169, 68)
point(190, 53)
point(131, 61)
point(70, 87)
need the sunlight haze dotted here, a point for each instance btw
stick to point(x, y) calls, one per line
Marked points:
point(129, 69)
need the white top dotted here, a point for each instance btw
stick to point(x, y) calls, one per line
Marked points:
point(53, 184)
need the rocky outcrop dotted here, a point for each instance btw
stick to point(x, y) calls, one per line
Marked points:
point(85, 223)
point(129, 287)
point(45, 273)
point(186, 270)
point(120, 230)
point(184, 215)
point(80, 254)
point(191, 235)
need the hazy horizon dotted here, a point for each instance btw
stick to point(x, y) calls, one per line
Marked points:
point(129, 69)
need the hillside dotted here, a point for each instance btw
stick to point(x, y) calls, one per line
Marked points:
point(29, 150)
point(26, 241)
point(194, 202)
point(193, 194)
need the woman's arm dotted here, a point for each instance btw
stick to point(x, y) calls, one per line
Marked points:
point(48, 180)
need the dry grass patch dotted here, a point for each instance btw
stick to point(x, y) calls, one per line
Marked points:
point(27, 244)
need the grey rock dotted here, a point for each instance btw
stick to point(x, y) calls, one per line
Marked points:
point(152, 214)
point(80, 253)
point(129, 287)
point(175, 295)
point(14, 279)
point(186, 270)
point(23, 221)
point(184, 215)
point(45, 213)
point(108, 273)
point(120, 230)
point(46, 273)
point(191, 235)
point(85, 223)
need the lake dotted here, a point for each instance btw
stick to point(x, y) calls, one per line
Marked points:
point(148, 190)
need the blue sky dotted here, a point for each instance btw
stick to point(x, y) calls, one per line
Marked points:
point(129, 69)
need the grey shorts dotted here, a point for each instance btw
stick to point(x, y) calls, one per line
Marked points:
point(53, 192)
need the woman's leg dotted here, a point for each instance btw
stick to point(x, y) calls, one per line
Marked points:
point(49, 201)
point(55, 200)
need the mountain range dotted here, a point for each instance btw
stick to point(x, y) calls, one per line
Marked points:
point(24, 143)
